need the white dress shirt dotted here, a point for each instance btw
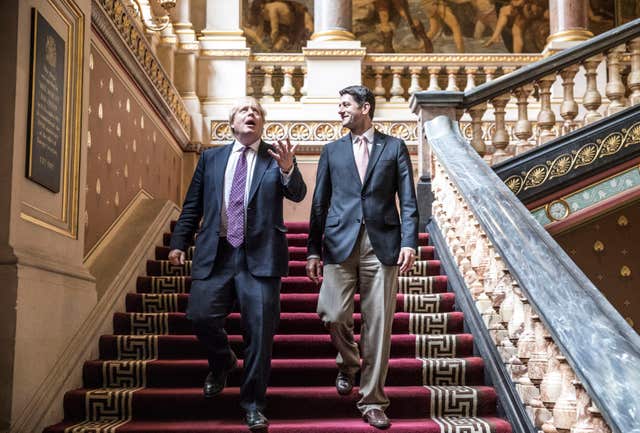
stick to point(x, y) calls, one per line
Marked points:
point(368, 134)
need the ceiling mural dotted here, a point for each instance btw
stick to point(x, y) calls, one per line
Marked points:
point(425, 26)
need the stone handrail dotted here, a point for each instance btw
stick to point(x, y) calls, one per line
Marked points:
point(570, 354)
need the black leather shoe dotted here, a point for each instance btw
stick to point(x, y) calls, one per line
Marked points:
point(256, 420)
point(377, 418)
point(344, 383)
point(215, 382)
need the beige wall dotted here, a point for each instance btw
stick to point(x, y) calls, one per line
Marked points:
point(46, 291)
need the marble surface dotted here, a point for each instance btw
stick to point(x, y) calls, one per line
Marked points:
point(602, 349)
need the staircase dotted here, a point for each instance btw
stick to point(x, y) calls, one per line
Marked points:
point(150, 372)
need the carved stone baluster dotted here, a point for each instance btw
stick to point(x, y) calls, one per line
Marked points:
point(526, 346)
point(489, 73)
point(569, 107)
point(537, 367)
point(287, 87)
point(471, 72)
point(599, 424)
point(592, 98)
point(516, 324)
point(634, 77)
point(546, 117)
point(551, 384)
point(564, 411)
point(583, 417)
point(500, 139)
point(267, 88)
point(415, 72)
point(615, 89)
point(452, 72)
point(477, 140)
point(397, 91)
point(303, 89)
point(433, 77)
point(522, 128)
point(378, 90)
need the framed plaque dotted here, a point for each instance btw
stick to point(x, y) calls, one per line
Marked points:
point(46, 123)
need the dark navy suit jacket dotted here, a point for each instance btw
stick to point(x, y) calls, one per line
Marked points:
point(341, 201)
point(265, 241)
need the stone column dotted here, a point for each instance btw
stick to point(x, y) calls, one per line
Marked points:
point(332, 21)
point(184, 67)
point(222, 63)
point(165, 50)
point(332, 52)
point(568, 20)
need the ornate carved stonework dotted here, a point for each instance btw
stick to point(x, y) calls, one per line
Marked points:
point(452, 59)
point(336, 52)
point(566, 162)
point(313, 135)
point(152, 76)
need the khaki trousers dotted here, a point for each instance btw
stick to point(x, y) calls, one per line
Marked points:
point(378, 286)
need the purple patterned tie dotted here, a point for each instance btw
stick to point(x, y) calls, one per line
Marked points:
point(235, 207)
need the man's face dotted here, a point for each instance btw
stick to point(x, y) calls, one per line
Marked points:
point(248, 123)
point(350, 113)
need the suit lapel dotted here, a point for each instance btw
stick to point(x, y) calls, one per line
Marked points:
point(347, 144)
point(376, 150)
point(220, 166)
point(263, 159)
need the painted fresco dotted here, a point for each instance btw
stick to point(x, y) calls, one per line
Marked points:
point(426, 26)
point(277, 25)
point(626, 10)
point(450, 26)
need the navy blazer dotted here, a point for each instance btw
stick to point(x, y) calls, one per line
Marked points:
point(341, 201)
point(265, 241)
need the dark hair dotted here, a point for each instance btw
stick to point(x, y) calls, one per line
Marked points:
point(361, 94)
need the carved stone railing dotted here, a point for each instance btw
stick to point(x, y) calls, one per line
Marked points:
point(612, 57)
point(395, 77)
point(567, 353)
point(113, 21)
point(277, 77)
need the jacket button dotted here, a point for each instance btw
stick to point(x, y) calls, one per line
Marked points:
point(358, 220)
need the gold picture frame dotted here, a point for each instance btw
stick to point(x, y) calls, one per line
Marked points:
point(63, 217)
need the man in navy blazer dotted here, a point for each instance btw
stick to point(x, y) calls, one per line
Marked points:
point(234, 203)
point(362, 240)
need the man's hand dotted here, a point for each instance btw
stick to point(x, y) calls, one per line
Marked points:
point(176, 257)
point(406, 259)
point(283, 153)
point(314, 270)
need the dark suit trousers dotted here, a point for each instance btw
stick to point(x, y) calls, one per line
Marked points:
point(211, 301)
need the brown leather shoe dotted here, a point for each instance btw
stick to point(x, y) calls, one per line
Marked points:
point(376, 418)
point(344, 383)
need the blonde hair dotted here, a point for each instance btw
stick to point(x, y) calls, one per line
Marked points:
point(242, 102)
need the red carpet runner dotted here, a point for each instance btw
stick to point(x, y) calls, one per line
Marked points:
point(150, 372)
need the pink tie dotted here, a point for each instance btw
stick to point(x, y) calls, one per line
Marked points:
point(362, 157)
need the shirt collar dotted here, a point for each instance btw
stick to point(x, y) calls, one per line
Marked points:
point(237, 146)
point(368, 134)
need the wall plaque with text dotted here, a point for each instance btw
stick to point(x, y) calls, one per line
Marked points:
point(46, 134)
